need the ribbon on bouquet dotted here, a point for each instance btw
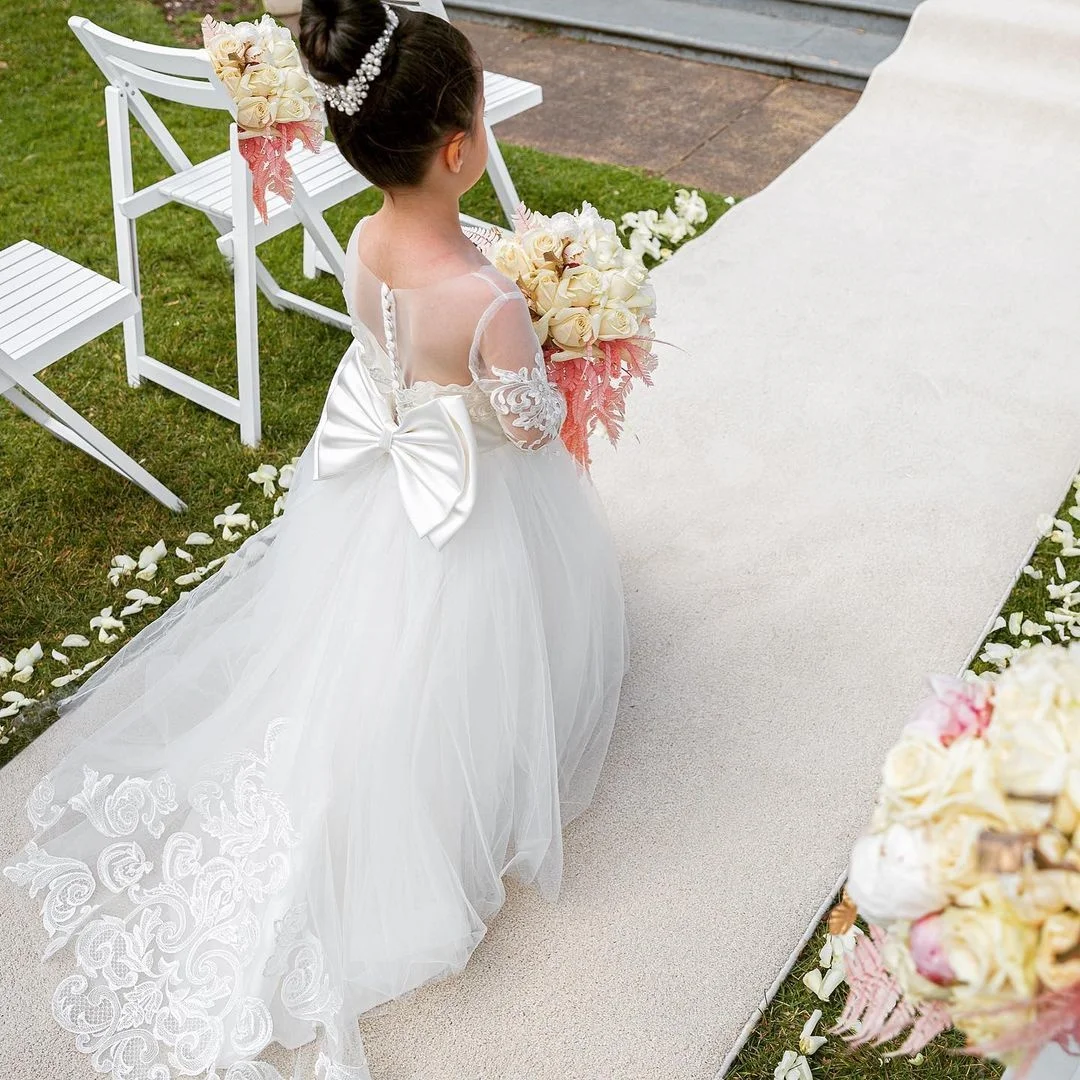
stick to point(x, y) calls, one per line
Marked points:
point(433, 448)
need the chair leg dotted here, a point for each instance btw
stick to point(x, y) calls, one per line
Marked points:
point(59, 418)
point(500, 178)
point(311, 269)
point(127, 252)
point(245, 294)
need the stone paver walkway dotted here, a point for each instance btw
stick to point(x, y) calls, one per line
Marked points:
point(719, 128)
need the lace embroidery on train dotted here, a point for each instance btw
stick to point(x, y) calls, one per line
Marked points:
point(157, 992)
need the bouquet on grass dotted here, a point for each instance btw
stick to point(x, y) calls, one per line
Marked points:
point(970, 872)
point(591, 303)
point(259, 65)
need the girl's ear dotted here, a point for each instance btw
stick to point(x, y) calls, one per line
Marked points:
point(455, 152)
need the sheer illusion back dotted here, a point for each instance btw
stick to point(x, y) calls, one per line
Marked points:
point(470, 334)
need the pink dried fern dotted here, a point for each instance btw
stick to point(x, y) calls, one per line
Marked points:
point(876, 1011)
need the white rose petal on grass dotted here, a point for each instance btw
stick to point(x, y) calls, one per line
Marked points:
point(285, 476)
point(1060, 567)
point(1031, 572)
point(6, 666)
point(61, 657)
point(793, 1067)
point(213, 564)
point(104, 623)
point(189, 579)
point(1015, 621)
point(809, 1043)
point(75, 641)
point(999, 624)
point(265, 476)
point(199, 539)
point(186, 556)
point(1033, 629)
point(120, 567)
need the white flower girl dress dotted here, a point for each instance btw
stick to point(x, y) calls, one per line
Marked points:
point(301, 787)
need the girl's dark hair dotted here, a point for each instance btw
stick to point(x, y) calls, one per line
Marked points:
point(428, 89)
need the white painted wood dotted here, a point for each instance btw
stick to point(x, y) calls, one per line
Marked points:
point(135, 69)
point(51, 306)
point(127, 249)
point(247, 319)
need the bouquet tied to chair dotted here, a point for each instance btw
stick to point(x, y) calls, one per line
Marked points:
point(276, 104)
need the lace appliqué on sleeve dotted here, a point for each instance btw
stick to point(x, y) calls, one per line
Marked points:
point(533, 403)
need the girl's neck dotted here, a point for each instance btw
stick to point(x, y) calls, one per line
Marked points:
point(422, 214)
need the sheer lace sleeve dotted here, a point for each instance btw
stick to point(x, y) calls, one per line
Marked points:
point(508, 365)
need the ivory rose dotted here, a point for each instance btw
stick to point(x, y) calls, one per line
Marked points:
point(581, 286)
point(915, 767)
point(226, 50)
point(991, 951)
point(615, 322)
point(291, 107)
point(542, 245)
point(260, 80)
point(254, 112)
point(509, 259)
point(542, 289)
point(1059, 936)
point(572, 327)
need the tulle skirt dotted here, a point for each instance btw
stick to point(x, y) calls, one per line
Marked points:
point(305, 782)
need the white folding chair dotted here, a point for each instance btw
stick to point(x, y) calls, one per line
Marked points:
point(504, 97)
point(218, 187)
point(50, 306)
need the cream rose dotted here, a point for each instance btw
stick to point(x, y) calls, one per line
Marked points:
point(291, 107)
point(254, 113)
point(296, 80)
point(572, 327)
point(581, 286)
point(260, 80)
point(284, 54)
point(512, 261)
point(542, 289)
point(954, 843)
point(1060, 935)
point(542, 246)
point(615, 321)
point(915, 767)
point(226, 50)
point(625, 283)
point(1031, 757)
point(231, 79)
point(991, 951)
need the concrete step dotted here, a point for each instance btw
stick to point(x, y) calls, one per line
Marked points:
point(882, 16)
point(831, 41)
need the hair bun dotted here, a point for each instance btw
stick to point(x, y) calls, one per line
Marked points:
point(335, 34)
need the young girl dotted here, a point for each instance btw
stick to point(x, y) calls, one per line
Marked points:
point(295, 795)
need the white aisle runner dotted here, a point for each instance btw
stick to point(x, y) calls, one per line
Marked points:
point(831, 493)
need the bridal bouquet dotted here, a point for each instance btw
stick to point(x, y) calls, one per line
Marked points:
point(970, 872)
point(259, 65)
point(591, 303)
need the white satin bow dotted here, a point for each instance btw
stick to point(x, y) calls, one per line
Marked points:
point(433, 448)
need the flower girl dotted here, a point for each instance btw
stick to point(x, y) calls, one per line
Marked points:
point(295, 795)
